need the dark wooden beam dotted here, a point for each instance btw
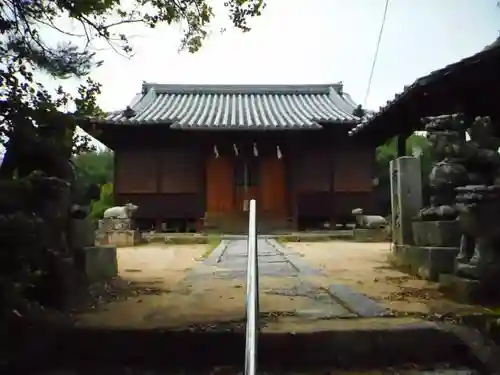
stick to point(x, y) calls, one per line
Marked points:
point(401, 145)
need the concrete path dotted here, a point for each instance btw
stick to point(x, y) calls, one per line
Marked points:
point(278, 261)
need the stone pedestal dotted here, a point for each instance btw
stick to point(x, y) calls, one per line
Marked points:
point(117, 232)
point(99, 263)
point(436, 233)
point(106, 225)
point(427, 262)
point(120, 238)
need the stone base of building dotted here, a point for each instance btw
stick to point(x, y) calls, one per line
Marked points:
point(99, 263)
point(371, 235)
point(427, 262)
point(120, 238)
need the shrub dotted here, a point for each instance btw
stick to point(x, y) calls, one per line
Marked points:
point(105, 201)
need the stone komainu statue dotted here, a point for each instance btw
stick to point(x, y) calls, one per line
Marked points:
point(368, 221)
point(120, 212)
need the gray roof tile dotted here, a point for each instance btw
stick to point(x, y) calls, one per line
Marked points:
point(239, 106)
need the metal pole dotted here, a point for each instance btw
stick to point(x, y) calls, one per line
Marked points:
point(252, 294)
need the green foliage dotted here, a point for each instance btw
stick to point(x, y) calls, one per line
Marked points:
point(94, 167)
point(388, 152)
point(105, 201)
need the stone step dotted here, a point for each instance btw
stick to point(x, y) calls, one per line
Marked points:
point(239, 224)
point(350, 344)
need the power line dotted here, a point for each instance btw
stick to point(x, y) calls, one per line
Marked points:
point(376, 53)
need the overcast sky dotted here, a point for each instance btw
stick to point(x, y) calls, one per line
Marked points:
point(311, 41)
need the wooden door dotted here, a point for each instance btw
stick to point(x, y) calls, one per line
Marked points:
point(247, 180)
point(273, 188)
point(220, 182)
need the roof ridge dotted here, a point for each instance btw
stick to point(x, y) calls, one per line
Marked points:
point(243, 88)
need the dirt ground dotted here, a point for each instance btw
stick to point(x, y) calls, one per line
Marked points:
point(168, 286)
point(364, 266)
point(156, 289)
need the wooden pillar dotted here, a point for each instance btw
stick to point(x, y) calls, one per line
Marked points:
point(401, 145)
point(332, 203)
point(288, 149)
point(159, 170)
point(115, 177)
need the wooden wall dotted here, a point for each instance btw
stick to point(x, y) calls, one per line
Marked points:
point(179, 172)
point(317, 177)
point(353, 170)
point(330, 183)
point(164, 184)
point(219, 185)
point(136, 172)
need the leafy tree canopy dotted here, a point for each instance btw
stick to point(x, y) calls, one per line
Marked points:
point(388, 152)
point(95, 167)
point(27, 109)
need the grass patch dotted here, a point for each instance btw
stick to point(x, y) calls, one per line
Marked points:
point(284, 239)
point(186, 240)
point(212, 242)
point(315, 237)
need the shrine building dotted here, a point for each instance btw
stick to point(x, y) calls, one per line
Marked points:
point(191, 154)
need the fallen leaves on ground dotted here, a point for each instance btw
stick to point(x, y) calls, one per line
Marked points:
point(414, 293)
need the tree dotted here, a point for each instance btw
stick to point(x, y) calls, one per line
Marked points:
point(94, 167)
point(37, 128)
point(97, 168)
point(25, 104)
point(105, 201)
point(388, 152)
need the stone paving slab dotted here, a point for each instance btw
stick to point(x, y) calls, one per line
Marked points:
point(241, 274)
point(363, 305)
point(272, 258)
point(261, 254)
point(276, 260)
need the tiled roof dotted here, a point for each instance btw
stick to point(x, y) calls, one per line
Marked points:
point(238, 106)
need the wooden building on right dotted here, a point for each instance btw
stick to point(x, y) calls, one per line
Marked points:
point(470, 86)
point(455, 237)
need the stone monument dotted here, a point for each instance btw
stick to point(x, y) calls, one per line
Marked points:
point(406, 201)
point(406, 197)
